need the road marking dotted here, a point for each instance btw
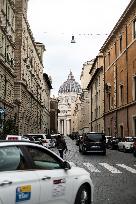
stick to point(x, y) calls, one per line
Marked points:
point(91, 167)
point(110, 168)
point(127, 168)
point(135, 165)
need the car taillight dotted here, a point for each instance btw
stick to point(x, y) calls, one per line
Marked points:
point(44, 141)
point(12, 138)
point(134, 144)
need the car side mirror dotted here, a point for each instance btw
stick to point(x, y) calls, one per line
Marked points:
point(66, 165)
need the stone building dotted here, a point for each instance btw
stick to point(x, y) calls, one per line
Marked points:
point(54, 115)
point(120, 75)
point(96, 95)
point(7, 69)
point(67, 95)
point(31, 88)
point(84, 115)
point(76, 115)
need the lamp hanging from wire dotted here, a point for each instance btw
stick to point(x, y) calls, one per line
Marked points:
point(73, 39)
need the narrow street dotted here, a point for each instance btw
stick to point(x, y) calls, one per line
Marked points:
point(113, 175)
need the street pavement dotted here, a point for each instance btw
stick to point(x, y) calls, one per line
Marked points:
point(113, 175)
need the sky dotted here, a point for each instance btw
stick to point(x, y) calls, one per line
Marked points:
point(53, 22)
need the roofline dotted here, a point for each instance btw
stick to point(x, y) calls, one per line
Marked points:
point(95, 73)
point(132, 2)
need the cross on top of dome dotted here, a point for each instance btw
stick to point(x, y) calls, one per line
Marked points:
point(70, 76)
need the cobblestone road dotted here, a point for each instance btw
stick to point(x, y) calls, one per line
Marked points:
point(113, 175)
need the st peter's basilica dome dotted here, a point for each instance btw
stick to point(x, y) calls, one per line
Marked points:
point(70, 85)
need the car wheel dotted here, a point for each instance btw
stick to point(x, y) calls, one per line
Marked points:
point(134, 153)
point(83, 195)
point(83, 150)
point(79, 149)
point(104, 153)
point(124, 149)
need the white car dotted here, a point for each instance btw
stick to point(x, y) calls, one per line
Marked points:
point(44, 138)
point(33, 174)
point(126, 144)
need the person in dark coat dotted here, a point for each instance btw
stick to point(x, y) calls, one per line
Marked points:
point(61, 145)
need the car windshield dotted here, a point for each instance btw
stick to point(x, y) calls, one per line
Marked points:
point(95, 137)
point(129, 139)
point(36, 137)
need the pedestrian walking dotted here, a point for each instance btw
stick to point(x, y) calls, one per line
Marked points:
point(61, 145)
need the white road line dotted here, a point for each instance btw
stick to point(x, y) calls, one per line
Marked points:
point(127, 168)
point(110, 168)
point(135, 165)
point(91, 167)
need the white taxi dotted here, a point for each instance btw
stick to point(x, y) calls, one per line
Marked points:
point(33, 174)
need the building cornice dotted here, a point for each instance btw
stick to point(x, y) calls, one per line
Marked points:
point(121, 19)
point(32, 38)
point(94, 75)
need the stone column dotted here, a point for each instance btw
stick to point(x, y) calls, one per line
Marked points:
point(65, 127)
point(62, 127)
point(59, 126)
point(68, 132)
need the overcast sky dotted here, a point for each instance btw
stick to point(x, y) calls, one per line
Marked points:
point(53, 22)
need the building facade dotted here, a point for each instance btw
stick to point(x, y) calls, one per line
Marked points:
point(7, 69)
point(31, 92)
point(24, 88)
point(67, 95)
point(120, 75)
point(96, 95)
point(53, 115)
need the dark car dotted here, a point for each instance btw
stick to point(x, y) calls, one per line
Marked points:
point(134, 147)
point(93, 142)
point(113, 142)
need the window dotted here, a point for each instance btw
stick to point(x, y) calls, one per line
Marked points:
point(121, 130)
point(43, 160)
point(11, 158)
point(134, 28)
point(109, 58)
point(135, 126)
point(120, 43)
point(121, 94)
point(134, 89)
point(109, 100)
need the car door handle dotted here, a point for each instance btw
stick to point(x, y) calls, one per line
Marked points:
point(46, 178)
point(6, 183)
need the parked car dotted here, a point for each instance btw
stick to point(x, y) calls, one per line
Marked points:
point(113, 142)
point(93, 142)
point(45, 139)
point(54, 137)
point(33, 174)
point(126, 145)
point(107, 139)
point(134, 147)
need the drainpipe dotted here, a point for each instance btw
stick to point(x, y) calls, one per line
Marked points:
point(116, 89)
point(104, 90)
point(127, 78)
